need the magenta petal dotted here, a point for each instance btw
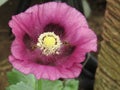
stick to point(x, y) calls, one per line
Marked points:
point(87, 40)
point(84, 41)
point(20, 65)
point(71, 72)
point(44, 14)
point(16, 29)
point(58, 13)
point(20, 51)
point(46, 72)
point(77, 39)
point(25, 23)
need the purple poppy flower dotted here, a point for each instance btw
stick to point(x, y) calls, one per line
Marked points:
point(51, 41)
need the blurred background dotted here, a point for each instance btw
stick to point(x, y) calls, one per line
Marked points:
point(93, 9)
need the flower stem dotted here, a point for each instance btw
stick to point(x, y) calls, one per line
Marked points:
point(63, 84)
point(38, 85)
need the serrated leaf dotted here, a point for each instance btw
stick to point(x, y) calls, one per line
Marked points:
point(71, 84)
point(18, 80)
point(15, 77)
point(20, 86)
point(50, 85)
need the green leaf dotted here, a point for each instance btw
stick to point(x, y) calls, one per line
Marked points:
point(19, 81)
point(15, 77)
point(50, 85)
point(71, 84)
point(20, 86)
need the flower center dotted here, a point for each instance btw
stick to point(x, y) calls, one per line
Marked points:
point(49, 43)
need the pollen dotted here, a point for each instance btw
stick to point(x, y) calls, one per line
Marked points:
point(49, 43)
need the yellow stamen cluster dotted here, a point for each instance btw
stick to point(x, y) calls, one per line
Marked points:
point(49, 43)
